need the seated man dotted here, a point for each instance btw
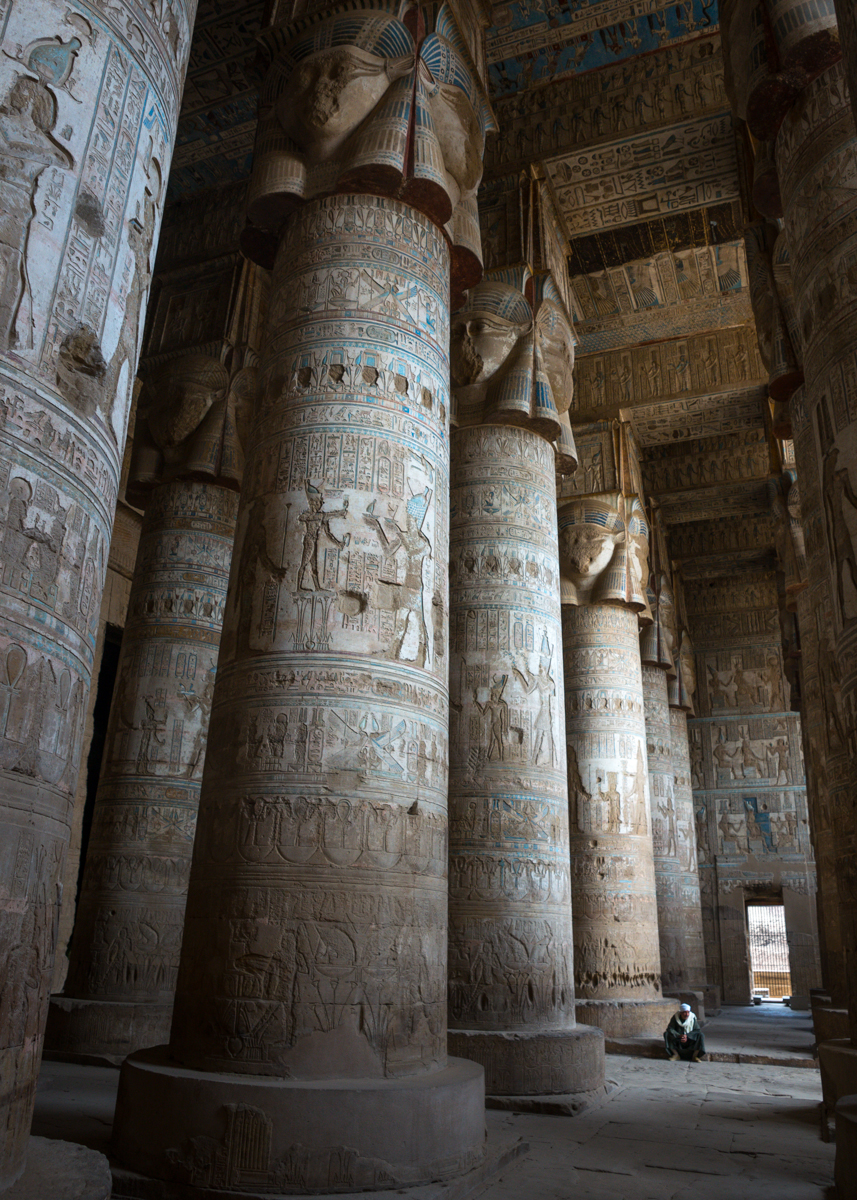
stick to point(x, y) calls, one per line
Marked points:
point(683, 1037)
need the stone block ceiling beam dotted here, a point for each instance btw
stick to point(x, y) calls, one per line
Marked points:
point(89, 100)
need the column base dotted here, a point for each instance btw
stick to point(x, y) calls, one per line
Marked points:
point(254, 1134)
point(103, 1031)
point(837, 1061)
point(63, 1171)
point(845, 1167)
point(545, 1063)
point(626, 1018)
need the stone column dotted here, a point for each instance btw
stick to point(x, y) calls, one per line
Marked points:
point(673, 827)
point(511, 985)
point(680, 690)
point(88, 104)
point(816, 148)
point(308, 1044)
point(814, 129)
point(186, 469)
point(603, 549)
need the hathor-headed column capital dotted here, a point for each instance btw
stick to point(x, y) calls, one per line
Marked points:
point(378, 102)
point(512, 359)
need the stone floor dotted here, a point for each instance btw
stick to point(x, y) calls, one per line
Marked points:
point(669, 1131)
point(767, 1035)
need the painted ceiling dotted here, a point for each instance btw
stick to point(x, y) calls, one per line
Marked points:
point(531, 42)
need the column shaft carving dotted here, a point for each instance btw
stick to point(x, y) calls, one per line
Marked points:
point(185, 469)
point(88, 108)
point(511, 945)
point(128, 930)
point(603, 557)
point(691, 939)
point(314, 954)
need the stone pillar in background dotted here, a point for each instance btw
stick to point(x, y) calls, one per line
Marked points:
point(806, 602)
point(603, 539)
point(673, 829)
point(311, 999)
point(680, 689)
point(816, 152)
point(186, 471)
point(88, 106)
point(511, 975)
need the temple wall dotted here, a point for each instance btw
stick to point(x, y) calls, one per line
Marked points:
point(748, 781)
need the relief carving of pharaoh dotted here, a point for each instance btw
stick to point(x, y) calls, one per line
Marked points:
point(194, 420)
point(512, 366)
point(603, 552)
point(364, 99)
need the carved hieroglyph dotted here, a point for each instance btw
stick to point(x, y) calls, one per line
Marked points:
point(89, 96)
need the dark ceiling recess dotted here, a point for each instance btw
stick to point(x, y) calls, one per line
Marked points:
point(701, 227)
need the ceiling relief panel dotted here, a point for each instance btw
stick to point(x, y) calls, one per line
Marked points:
point(538, 40)
point(715, 365)
point(646, 176)
point(710, 478)
point(665, 422)
point(643, 93)
point(667, 296)
point(217, 123)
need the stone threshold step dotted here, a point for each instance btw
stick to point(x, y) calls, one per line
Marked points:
point(654, 1048)
point(500, 1150)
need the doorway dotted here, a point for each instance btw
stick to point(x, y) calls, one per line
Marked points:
point(769, 950)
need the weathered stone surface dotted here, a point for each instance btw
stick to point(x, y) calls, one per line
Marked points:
point(537, 1063)
point(220, 1129)
point(186, 465)
point(510, 899)
point(63, 1171)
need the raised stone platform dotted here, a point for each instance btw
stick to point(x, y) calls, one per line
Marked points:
point(103, 1031)
point(626, 1018)
point(58, 1170)
point(256, 1134)
point(549, 1062)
